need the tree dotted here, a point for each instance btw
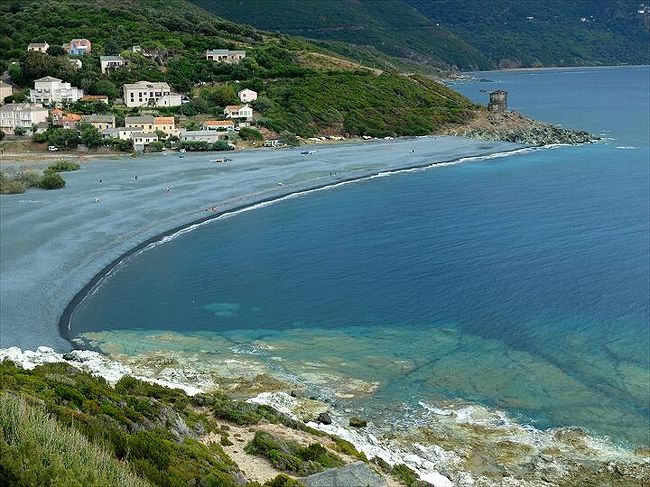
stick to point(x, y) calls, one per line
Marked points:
point(289, 138)
point(90, 136)
point(104, 87)
point(64, 138)
point(219, 96)
point(20, 131)
point(56, 51)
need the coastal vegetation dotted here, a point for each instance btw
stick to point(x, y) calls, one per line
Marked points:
point(291, 457)
point(21, 181)
point(67, 425)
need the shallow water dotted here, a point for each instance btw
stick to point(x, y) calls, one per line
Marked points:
point(519, 283)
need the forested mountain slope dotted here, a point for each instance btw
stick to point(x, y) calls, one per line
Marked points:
point(389, 26)
point(521, 33)
point(467, 34)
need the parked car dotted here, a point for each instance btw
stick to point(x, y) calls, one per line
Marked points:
point(52, 148)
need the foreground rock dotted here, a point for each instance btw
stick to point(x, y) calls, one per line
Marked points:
point(514, 127)
point(356, 474)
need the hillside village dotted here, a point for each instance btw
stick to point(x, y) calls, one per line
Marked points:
point(49, 110)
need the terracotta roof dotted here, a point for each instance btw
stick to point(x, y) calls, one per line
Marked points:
point(219, 123)
point(164, 121)
point(71, 117)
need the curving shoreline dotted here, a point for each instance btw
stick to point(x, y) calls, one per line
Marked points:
point(427, 460)
point(72, 237)
point(64, 320)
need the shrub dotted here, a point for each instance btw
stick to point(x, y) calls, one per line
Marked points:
point(405, 474)
point(63, 166)
point(20, 131)
point(121, 145)
point(9, 185)
point(248, 133)
point(282, 480)
point(51, 180)
point(289, 456)
point(155, 146)
point(221, 145)
point(289, 138)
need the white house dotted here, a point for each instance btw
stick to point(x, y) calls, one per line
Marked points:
point(149, 93)
point(23, 115)
point(210, 136)
point(122, 133)
point(141, 140)
point(224, 55)
point(110, 63)
point(49, 90)
point(38, 47)
point(238, 111)
point(5, 91)
point(247, 96)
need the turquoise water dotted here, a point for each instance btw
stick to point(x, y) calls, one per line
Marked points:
point(519, 283)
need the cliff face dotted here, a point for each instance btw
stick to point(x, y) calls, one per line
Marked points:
point(514, 127)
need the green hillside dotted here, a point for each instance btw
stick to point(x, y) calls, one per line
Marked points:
point(469, 34)
point(517, 33)
point(389, 26)
point(304, 88)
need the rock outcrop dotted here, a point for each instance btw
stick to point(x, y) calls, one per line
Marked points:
point(514, 127)
point(353, 474)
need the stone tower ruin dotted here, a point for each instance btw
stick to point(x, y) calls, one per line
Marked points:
point(498, 101)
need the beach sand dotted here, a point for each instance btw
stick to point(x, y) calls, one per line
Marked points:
point(54, 242)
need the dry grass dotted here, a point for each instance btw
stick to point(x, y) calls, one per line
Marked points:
point(54, 451)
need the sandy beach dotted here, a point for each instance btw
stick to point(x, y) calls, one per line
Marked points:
point(54, 242)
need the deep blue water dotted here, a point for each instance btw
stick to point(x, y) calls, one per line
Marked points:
point(519, 282)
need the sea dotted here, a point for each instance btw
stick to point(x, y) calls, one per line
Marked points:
point(516, 284)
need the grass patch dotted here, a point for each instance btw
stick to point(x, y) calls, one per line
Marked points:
point(38, 450)
point(291, 457)
point(63, 166)
point(347, 448)
point(152, 429)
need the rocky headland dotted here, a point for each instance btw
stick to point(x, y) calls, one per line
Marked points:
point(512, 126)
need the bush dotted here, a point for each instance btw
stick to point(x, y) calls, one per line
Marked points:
point(40, 138)
point(63, 166)
point(19, 182)
point(51, 180)
point(20, 131)
point(248, 133)
point(35, 449)
point(156, 146)
point(289, 138)
point(289, 456)
point(221, 145)
point(405, 474)
point(121, 145)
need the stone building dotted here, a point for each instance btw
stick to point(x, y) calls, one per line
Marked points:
point(498, 101)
